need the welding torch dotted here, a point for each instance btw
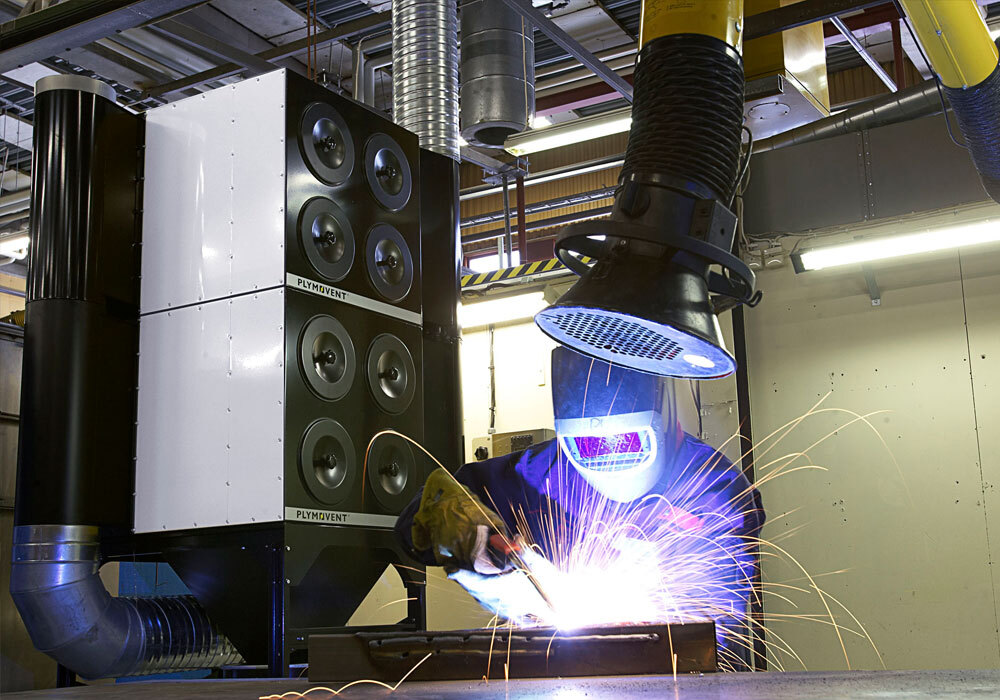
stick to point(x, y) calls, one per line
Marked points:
point(506, 550)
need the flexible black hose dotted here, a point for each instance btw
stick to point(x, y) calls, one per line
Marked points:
point(977, 109)
point(688, 113)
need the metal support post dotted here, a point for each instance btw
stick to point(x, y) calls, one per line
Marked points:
point(522, 226)
point(756, 623)
point(277, 659)
point(507, 240)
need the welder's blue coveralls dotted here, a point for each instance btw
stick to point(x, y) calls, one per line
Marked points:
point(516, 483)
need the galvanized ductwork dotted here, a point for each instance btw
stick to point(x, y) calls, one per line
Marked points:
point(912, 103)
point(74, 468)
point(498, 73)
point(72, 618)
point(425, 72)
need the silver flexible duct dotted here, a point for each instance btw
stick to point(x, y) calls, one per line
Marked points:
point(72, 617)
point(425, 72)
point(498, 72)
point(911, 103)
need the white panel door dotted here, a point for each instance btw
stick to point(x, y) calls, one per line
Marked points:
point(183, 420)
point(258, 183)
point(256, 417)
point(187, 201)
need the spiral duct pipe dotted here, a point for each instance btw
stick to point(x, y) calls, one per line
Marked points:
point(425, 72)
point(71, 616)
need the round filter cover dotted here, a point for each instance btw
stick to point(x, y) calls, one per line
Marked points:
point(327, 461)
point(391, 374)
point(326, 143)
point(390, 264)
point(392, 471)
point(327, 238)
point(387, 172)
point(326, 357)
point(635, 342)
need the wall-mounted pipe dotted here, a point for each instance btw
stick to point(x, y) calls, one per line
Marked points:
point(964, 55)
point(74, 464)
point(904, 105)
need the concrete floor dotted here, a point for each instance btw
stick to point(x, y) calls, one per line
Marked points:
point(898, 685)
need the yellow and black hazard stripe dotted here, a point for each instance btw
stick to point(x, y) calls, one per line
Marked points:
point(537, 268)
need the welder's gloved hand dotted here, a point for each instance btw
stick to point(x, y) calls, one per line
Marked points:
point(455, 525)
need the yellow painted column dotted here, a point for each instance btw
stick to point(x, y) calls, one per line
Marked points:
point(955, 38)
point(722, 19)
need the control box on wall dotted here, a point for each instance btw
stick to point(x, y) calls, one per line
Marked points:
point(281, 325)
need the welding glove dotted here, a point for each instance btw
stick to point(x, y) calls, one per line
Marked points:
point(455, 525)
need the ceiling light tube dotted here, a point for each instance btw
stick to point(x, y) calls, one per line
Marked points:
point(576, 131)
point(500, 310)
point(929, 241)
point(15, 247)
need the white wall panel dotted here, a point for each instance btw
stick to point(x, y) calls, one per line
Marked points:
point(904, 550)
point(982, 308)
point(256, 410)
point(211, 387)
point(213, 197)
point(258, 182)
point(181, 456)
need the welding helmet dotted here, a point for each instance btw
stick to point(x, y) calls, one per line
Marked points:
point(617, 427)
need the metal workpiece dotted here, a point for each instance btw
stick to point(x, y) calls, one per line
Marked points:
point(497, 72)
point(70, 616)
point(514, 653)
point(425, 72)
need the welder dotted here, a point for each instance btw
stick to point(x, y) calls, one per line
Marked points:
point(619, 430)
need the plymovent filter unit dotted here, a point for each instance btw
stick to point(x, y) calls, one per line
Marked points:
point(283, 342)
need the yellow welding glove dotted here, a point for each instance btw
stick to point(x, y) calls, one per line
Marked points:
point(455, 525)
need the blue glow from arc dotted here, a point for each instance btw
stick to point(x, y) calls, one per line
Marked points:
point(696, 359)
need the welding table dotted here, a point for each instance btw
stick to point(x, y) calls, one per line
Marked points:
point(899, 685)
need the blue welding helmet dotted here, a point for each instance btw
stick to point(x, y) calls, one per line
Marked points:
point(615, 425)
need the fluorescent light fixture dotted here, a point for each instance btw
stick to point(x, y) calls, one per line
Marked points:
point(995, 33)
point(586, 129)
point(539, 122)
point(501, 310)
point(15, 247)
point(542, 178)
point(958, 236)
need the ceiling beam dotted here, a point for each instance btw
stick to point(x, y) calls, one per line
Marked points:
point(274, 54)
point(799, 14)
point(218, 48)
point(571, 46)
point(75, 23)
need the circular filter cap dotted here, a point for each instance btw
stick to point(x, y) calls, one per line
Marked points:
point(635, 342)
point(391, 374)
point(327, 238)
point(392, 471)
point(326, 143)
point(327, 461)
point(326, 357)
point(387, 172)
point(390, 264)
